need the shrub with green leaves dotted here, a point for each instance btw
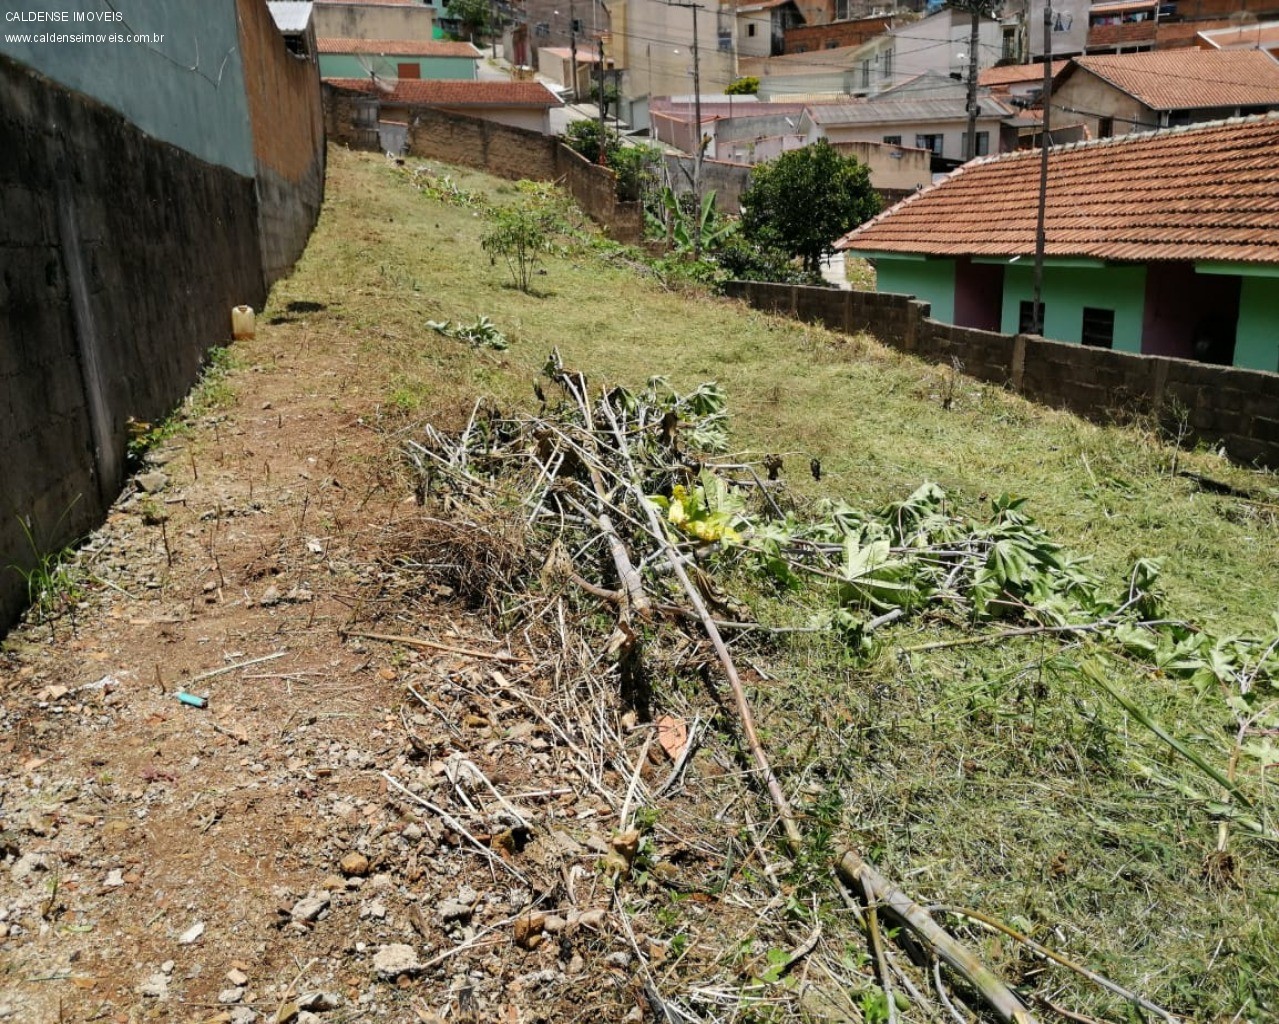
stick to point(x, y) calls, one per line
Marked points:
point(521, 235)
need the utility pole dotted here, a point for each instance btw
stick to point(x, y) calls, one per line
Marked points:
point(976, 9)
point(603, 146)
point(1045, 139)
point(572, 47)
point(699, 148)
point(970, 143)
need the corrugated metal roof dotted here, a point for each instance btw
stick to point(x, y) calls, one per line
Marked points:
point(1210, 192)
point(891, 111)
point(1189, 79)
point(290, 16)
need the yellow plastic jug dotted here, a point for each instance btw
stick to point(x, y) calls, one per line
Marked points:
point(242, 323)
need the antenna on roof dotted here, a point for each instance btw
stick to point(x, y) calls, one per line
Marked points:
point(381, 71)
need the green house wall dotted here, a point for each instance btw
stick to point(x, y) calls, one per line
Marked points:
point(1257, 333)
point(439, 69)
point(931, 281)
point(1067, 290)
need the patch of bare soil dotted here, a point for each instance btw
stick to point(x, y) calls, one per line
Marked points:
point(274, 856)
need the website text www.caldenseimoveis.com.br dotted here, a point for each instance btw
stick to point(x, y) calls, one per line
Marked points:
point(88, 37)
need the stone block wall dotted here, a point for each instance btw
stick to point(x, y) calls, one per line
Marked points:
point(1237, 409)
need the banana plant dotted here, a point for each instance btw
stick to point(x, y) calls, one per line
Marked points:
point(683, 228)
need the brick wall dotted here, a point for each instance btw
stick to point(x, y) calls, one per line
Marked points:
point(499, 149)
point(350, 119)
point(517, 153)
point(811, 38)
point(120, 259)
point(1222, 405)
point(287, 122)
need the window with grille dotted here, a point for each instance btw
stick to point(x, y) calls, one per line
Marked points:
point(1027, 322)
point(1099, 328)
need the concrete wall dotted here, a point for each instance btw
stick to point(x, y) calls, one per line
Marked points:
point(120, 257)
point(517, 153)
point(893, 168)
point(350, 119)
point(187, 89)
point(1231, 407)
point(145, 189)
point(933, 281)
point(363, 21)
point(728, 180)
point(287, 121)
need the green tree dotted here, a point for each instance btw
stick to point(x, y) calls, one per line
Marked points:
point(475, 15)
point(747, 86)
point(804, 200)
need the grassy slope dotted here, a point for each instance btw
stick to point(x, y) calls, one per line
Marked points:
point(986, 775)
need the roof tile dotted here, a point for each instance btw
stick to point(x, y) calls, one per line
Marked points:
point(428, 93)
point(399, 47)
point(1189, 79)
point(1209, 192)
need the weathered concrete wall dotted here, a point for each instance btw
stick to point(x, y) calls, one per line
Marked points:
point(728, 180)
point(373, 21)
point(1223, 405)
point(120, 257)
point(287, 120)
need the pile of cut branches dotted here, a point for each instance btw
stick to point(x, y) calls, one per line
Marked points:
point(604, 530)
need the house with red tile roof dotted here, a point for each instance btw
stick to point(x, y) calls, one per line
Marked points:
point(1114, 94)
point(518, 104)
point(1164, 243)
point(393, 59)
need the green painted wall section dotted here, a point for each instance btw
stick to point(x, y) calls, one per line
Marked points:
point(1067, 290)
point(931, 281)
point(1257, 335)
point(183, 83)
point(439, 69)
